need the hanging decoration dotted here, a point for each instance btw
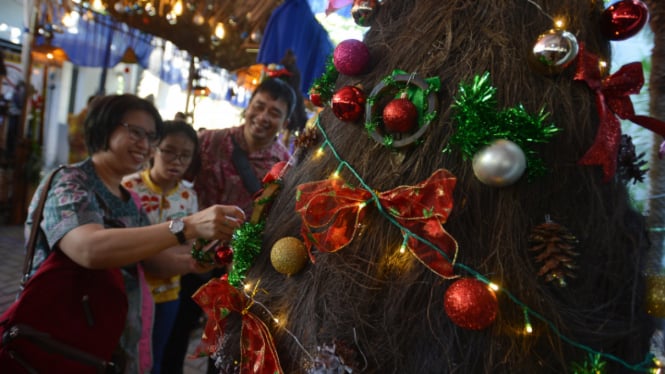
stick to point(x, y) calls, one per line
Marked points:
point(554, 247)
point(396, 128)
point(553, 52)
point(631, 166)
point(348, 103)
point(500, 164)
point(613, 100)
point(479, 123)
point(246, 243)
point(288, 255)
point(471, 304)
point(218, 299)
point(363, 11)
point(332, 209)
point(351, 57)
point(323, 87)
point(623, 19)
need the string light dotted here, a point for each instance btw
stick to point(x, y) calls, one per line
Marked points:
point(559, 23)
point(527, 322)
point(646, 364)
point(220, 32)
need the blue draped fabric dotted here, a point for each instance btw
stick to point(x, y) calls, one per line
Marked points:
point(102, 42)
point(293, 26)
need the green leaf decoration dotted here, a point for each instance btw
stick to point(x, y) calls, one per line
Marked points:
point(325, 84)
point(246, 243)
point(479, 123)
point(593, 365)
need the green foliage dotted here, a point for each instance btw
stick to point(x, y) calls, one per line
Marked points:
point(479, 123)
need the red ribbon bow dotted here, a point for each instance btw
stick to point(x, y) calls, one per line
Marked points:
point(257, 348)
point(332, 210)
point(612, 100)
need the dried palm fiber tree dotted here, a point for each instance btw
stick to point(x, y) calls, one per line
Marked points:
point(389, 310)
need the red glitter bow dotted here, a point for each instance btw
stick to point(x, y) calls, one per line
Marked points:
point(612, 100)
point(257, 348)
point(332, 210)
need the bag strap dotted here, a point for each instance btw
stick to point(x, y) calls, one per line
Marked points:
point(244, 168)
point(36, 225)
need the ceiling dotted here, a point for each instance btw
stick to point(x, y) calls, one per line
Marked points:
point(191, 25)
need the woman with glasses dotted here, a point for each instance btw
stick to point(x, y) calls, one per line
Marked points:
point(165, 196)
point(97, 223)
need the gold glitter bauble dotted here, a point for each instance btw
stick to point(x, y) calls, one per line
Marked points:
point(655, 300)
point(288, 255)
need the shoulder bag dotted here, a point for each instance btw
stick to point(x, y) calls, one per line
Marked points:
point(67, 319)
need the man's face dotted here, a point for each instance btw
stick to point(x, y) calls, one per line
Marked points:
point(264, 117)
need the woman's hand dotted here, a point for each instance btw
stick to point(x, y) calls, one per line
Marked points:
point(215, 222)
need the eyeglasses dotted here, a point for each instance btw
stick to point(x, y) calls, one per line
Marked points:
point(170, 156)
point(137, 134)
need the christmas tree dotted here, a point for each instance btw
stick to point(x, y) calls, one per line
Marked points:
point(459, 206)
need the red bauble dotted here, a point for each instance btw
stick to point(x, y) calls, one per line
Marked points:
point(223, 255)
point(348, 103)
point(351, 57)
point(315, 97)
point(470, 304)
point(400, 115)
point(624, 19)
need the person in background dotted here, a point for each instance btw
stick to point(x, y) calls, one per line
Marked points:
point(180, 116)
point(235, 160)
point(76, 134)
point(164, 196)
point(95, 221)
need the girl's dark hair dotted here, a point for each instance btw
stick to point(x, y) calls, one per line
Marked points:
point(278, 90)
point(181, 127)
point(106, 113)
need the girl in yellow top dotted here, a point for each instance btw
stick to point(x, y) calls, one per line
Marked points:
point(165, 196)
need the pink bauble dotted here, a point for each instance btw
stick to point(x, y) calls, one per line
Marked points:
point(348, 103)
point(351, 57)
point(470, 304)
point(400, 115)
point(624, 19)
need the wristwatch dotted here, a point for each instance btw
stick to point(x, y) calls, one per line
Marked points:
point(177, 228)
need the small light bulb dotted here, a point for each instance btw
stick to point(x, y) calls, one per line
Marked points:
point(402, 248)
point(248, 286)
point(528, 328)
point(177, 8)
point(362, 205)
point(493, 286)
point(219, 30)
point(335, 175)
point(276, 320)
point(49, 56)
point(319, 152)
point(559, 23)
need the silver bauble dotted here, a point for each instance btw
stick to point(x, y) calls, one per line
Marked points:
point(554, 51)
point(500, 164)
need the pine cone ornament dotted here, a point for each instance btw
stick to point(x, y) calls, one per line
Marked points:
point(308, 138)
point(554, 247)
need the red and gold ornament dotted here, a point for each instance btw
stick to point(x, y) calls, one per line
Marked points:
point(471, 304)
point(400, 115)
point(348, 103)
point(624, 19)
point(363, 11)
point(351, 57)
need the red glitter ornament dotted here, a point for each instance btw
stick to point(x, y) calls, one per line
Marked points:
point(348, 103)
point(624, 19)
point(315, 97)
point(471, 304)
point(223, 255)
point(351, 57)
point(400, 115)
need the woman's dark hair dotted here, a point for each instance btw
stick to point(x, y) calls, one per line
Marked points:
point(106, 113)
point(278, 90)
point(181, 127)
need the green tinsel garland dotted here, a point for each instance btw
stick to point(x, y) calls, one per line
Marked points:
point(325, 84)
point(593, 365)
point(479, 123)
point(246, 243)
